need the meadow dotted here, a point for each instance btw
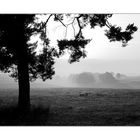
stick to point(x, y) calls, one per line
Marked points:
point(73, 107)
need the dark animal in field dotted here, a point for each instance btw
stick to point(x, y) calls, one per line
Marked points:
point(84, 94)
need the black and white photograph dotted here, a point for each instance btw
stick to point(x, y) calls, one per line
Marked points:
point(69, 69)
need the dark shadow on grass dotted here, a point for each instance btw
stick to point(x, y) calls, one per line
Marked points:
point(11, 116)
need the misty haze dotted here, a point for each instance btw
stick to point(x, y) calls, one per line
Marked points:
point(70, 70)
point(87, 73)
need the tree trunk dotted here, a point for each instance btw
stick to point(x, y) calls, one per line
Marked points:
point(22, 65)
point(23, 76)
point(24, 86)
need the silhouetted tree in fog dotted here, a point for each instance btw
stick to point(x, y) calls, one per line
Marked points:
point(120, 76)
point(85, 79)
point(19, 58)
point(107, 78)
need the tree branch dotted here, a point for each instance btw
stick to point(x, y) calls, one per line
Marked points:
point(48, 19)
point(108, 24)
point(72, 27)
point(59, 20)
point(80, 27)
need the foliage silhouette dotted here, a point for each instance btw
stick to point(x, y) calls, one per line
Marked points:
point(18, 55)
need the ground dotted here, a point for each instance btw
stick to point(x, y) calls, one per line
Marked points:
point(72, 107)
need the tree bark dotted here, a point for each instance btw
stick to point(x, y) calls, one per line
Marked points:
point(24, 85)
point(23, 70)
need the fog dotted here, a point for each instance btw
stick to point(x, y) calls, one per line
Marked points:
point(93, 73)
point(130, 67)
point(96, 80)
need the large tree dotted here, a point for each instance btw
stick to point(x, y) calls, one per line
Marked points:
point(18, 54)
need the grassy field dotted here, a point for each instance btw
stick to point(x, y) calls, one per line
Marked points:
point(69, 107)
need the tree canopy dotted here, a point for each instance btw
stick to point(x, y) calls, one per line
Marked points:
point(13, 28)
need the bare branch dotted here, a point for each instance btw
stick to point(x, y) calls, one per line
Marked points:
point(47, 21)
point(108, 24)
point(73, 29)
point(80, 27)
point(59, 20)
point(66, 25)
point(66, 32)
point(71, 22)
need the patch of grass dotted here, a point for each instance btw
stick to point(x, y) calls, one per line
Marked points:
point(64, 107)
